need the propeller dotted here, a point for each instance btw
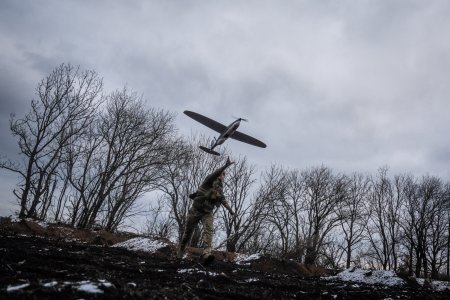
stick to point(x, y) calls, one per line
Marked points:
point(240, 119)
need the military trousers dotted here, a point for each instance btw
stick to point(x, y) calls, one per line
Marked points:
point(193, 218)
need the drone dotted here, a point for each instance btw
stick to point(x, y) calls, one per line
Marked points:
point(226, 132)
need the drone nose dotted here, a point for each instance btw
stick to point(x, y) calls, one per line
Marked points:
point(240, 119)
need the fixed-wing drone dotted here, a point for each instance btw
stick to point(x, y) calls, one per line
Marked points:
point(226, 132)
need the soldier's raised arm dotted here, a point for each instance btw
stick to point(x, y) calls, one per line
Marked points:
point(213, 176)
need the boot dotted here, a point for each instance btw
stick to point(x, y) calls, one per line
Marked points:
point(207, 258)
point(180, 252)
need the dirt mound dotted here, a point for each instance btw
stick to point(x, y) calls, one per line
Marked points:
point(60, 231)
point(289, 266)
point(36, 262)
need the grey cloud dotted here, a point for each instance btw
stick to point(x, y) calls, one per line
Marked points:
point(354, 85)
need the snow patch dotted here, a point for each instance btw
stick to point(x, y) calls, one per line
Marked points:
point(89, 287)
point(82, 286)
point(245, 259)
point(42, 224)
point(15, 288)
point(388, 278)
point(143, 244)
point(436, 285)
point(14, 219)
point(106, 283)
point(197, 271)
point(50, 284)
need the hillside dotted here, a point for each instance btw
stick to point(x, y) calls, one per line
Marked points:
point(42, 261)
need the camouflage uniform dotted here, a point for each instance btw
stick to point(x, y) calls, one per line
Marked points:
point(208, 196)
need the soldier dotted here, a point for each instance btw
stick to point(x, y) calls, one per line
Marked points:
point(207, 197)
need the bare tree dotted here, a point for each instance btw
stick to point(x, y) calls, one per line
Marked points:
point(332, 251)
point(286, 213)
point(384, 230)
point(394, 210)
point(67, 101)
point(447, 210)
point(422, 215)
point(250, 211)
point(437, 239)
point(324, 193)
point(58, 205)
point(176, 186)
point(431, 230)
point(408, 220)
point(158, 223)
point(296, 194)
point(254, 232)
point(279, 217)
point(378, 234)
point(238, 186)
point(83, 167)
point(353, 219)
point(128, 148)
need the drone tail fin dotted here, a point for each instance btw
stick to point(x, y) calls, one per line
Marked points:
point(209, 150)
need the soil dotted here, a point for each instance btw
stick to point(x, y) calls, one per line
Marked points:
point(44, 263)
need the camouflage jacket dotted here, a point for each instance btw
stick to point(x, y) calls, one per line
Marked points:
point(210, 193)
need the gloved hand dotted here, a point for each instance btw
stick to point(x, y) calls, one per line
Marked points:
point(229, 162)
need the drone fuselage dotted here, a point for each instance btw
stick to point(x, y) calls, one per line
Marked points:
point(225, 135)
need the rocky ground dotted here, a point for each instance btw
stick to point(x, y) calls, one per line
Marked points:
point(42, 262)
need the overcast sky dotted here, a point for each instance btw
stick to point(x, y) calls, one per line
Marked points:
point(354, 85)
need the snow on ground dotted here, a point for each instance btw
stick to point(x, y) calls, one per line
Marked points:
point(15, 288)
point(241, 259)
point(197, 271)
point(89, 287)
point(143, 244)
point(14, 219)
point(381, 277)
point(50, 284)
point(82, 286)
point(436, 285)
point(369, 277)
point(42, 224)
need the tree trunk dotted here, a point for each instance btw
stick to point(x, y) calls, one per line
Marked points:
point(418, 263)
point(448, 251)
point(349, 255)
point(410, 261)
point(26, 189)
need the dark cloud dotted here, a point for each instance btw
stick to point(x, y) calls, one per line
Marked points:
point(15, 99)
point(351, 85)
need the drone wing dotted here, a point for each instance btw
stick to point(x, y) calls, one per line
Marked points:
point(214, 125)
point(239, 136)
